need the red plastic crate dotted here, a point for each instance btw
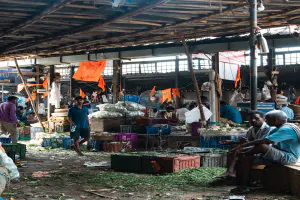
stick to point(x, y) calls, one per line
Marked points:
point(176, 163)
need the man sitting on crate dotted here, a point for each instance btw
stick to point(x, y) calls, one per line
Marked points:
point(78, 117)
point(285, 148)
point(258, 130)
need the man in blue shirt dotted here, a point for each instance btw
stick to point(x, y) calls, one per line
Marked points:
point(289, 112)
point(285, 147)
point(230, 112)
point(78, 117)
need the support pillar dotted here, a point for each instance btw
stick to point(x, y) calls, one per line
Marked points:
point(50, 80)
point(177, 100)
point(116, 80)
point(272, 74)
point(253, 53)
point(214, 97)
point(72, 82)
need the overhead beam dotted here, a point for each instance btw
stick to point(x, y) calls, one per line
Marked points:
point(203, 31)
point(35, 3)
point(89, 27)
point(54, 7)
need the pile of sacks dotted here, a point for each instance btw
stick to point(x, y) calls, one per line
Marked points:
point(120, 109)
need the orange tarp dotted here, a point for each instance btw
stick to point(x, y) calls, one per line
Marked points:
point(90, 71)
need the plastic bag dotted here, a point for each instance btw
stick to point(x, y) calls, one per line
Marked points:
point(266, 93)
point(105, 114)
point(195, 116)
point(205, 86)
point(112, 108)
point(135, 114)
point(131, 106)
point(9, 164)
point(236, 98)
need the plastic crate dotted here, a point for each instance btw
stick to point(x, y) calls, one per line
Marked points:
point(213, 142)
point(34, 130)
point(24, 137)
point(5, 140)
point(52, 142)
point(171, 164)
point(20, 149)
point(214, 160)
point(11, 154)
point(125, 128)
point(67, 143)
point(62, 128)
point(47, 142)
point(98, 145)
point(154, 130)
point(125, 137)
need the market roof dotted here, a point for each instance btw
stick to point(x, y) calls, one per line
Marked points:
point(58, 27)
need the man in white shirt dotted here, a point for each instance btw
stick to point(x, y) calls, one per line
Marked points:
point(180, 114)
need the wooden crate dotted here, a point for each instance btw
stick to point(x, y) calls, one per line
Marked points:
point(106, 125)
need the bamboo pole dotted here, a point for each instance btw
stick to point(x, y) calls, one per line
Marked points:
point(191, 69)
point(29, 95)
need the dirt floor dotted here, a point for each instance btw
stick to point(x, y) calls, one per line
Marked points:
point(67, 178)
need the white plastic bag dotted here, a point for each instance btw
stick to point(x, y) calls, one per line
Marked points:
point(9, 164)
point(105, 114)
point(135, 114)
point(131, 106)
point(195, 116)
point(236, 98)
point(266, 92)
point(112, 108)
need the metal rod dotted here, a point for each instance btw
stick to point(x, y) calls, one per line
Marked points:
point(253, 53)
point(29, 95)
point(2, 93)
point(191, 69)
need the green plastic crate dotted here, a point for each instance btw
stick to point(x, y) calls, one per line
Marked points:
point(20, 149)
point(24, 137)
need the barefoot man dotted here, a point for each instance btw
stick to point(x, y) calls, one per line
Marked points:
point(78, 117)
point(258, 130)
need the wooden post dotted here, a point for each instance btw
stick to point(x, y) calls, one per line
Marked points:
point(190, 64)
point(29, 95)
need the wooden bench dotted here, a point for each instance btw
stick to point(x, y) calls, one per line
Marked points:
point(279, 178)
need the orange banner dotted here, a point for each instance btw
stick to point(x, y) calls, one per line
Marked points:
point(166, 95)
point(152, 91)
point(21, 86)
point(90, 71)
point(101, 83)
point(81, 93)
point(238, 77)
point(45, 83)
point(176, 92)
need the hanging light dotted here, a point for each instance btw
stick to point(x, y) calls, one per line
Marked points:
point(260, 6)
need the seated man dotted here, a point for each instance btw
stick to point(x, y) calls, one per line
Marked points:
point(31, 118)
point(258, 130)
point(230, 112)
point(285, 147)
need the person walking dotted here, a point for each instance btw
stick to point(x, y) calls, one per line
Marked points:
point(78, 117)
point(8, 118)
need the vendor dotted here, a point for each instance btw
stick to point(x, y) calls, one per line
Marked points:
point(19, 112)
point(285, 148)
point(258, 130)
point(31, 118)
point(289, 112)
point(180, 113)
point(205, 102)
point(171, 115)
point(230, 113)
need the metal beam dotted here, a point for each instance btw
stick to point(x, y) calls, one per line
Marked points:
point(94, 25)
point(54, 7)
point(253, 53)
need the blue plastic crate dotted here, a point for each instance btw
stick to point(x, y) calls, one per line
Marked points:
point(52, 142)
point(5, 140)
point(67, 142)
point(213, 141)
point(47, 142)
point(154, 130)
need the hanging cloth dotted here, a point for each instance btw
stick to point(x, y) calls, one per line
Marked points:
point(152, 91)
point(55, 96)
point(166, 95)
point(238, 77)
point(81, 93)
point(101, 84)
point(176, 92)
